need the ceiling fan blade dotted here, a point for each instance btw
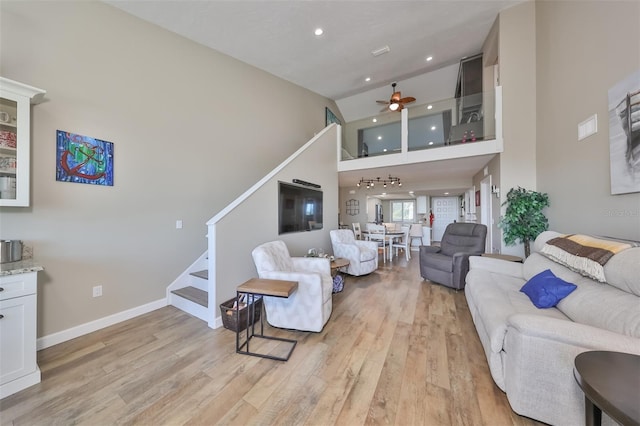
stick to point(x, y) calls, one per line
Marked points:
point(384, 109)
point(383, 102)
point(407, 100)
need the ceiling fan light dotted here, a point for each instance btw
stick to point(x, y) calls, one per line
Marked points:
point(394, 106)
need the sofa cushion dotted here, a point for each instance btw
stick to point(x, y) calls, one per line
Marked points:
point(603, 306)
point(623, 271)
point(492, 298)
point(596, 304)
point(545, 289)
point(536, 263)
point(497, 297)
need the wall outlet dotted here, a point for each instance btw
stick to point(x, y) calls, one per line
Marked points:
point(97, 291)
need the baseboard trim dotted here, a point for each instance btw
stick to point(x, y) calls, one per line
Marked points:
point(19, 384)
point(217, 323)
point(81, 330)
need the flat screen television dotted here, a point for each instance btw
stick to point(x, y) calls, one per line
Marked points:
point(299, 208)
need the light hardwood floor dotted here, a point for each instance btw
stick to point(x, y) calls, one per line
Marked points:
point(396, 350)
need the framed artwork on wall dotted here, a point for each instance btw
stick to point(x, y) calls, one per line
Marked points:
point(353, 207)
point(83, 159)
point(624, 135)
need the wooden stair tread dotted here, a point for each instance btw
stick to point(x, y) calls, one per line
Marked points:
point(204, 274)
point(193, 294)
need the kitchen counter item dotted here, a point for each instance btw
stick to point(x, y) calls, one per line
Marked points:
point(10, 251)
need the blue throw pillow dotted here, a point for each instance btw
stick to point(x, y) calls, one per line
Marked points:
point(545, 289)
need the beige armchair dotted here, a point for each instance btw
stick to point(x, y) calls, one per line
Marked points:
point(362, 255)
point(309, 307)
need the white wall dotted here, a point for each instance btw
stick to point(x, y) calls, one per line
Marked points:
point(583, 49)
point(192, 130)
point(517, 56)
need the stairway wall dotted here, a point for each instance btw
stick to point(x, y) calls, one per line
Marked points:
point(255, 221)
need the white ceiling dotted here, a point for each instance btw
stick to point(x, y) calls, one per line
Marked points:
point(278, 37)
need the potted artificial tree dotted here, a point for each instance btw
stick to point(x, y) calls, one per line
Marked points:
point(523, 220)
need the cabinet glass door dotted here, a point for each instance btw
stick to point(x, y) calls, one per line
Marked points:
point(8, 148)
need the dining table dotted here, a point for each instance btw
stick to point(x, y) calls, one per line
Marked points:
point(386, 237)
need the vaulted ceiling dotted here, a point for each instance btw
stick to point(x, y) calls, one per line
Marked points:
point(278, 37)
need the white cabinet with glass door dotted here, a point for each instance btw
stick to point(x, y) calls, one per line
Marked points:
point(15, 140)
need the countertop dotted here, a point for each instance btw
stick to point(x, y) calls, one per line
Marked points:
point(21, 267)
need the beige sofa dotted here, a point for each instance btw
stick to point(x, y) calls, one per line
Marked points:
point(531, 351)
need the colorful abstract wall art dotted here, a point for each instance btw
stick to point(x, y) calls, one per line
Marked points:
point(83, 159)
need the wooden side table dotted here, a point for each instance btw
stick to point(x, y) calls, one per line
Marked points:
point(610, 382)
point(337, 264)
point(262, 287)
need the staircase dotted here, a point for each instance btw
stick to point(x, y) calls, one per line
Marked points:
point(194, 291)
point(189, 292)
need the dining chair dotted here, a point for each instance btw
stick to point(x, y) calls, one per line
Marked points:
point(403, 243)
point(415, 232)
point(378, 233)
point(356, 230)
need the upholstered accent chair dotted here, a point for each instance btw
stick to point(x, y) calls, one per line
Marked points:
point(309, 307)
point(362, 255)
point(448, 264)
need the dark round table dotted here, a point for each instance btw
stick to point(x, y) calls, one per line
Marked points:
point(611, 383)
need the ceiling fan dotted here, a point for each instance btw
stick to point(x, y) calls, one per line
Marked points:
point(397, 102)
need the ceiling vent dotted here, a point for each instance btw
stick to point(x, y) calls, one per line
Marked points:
point(381, 51)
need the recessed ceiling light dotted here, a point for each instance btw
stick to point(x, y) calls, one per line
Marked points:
point(375, 120)
point(318, 31)
point(433, 127)
point(446, 193)
point(379, 138)
point(384, 193)
point(429, 58)
point(429, 106)
point(368, 79)
point(410, 192)
point(430, 142)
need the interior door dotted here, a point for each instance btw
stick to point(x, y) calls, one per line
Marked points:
point(446, 211)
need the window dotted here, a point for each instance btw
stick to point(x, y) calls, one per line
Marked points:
point(402, 211)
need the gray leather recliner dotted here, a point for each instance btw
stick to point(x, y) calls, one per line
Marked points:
point(448, 264)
